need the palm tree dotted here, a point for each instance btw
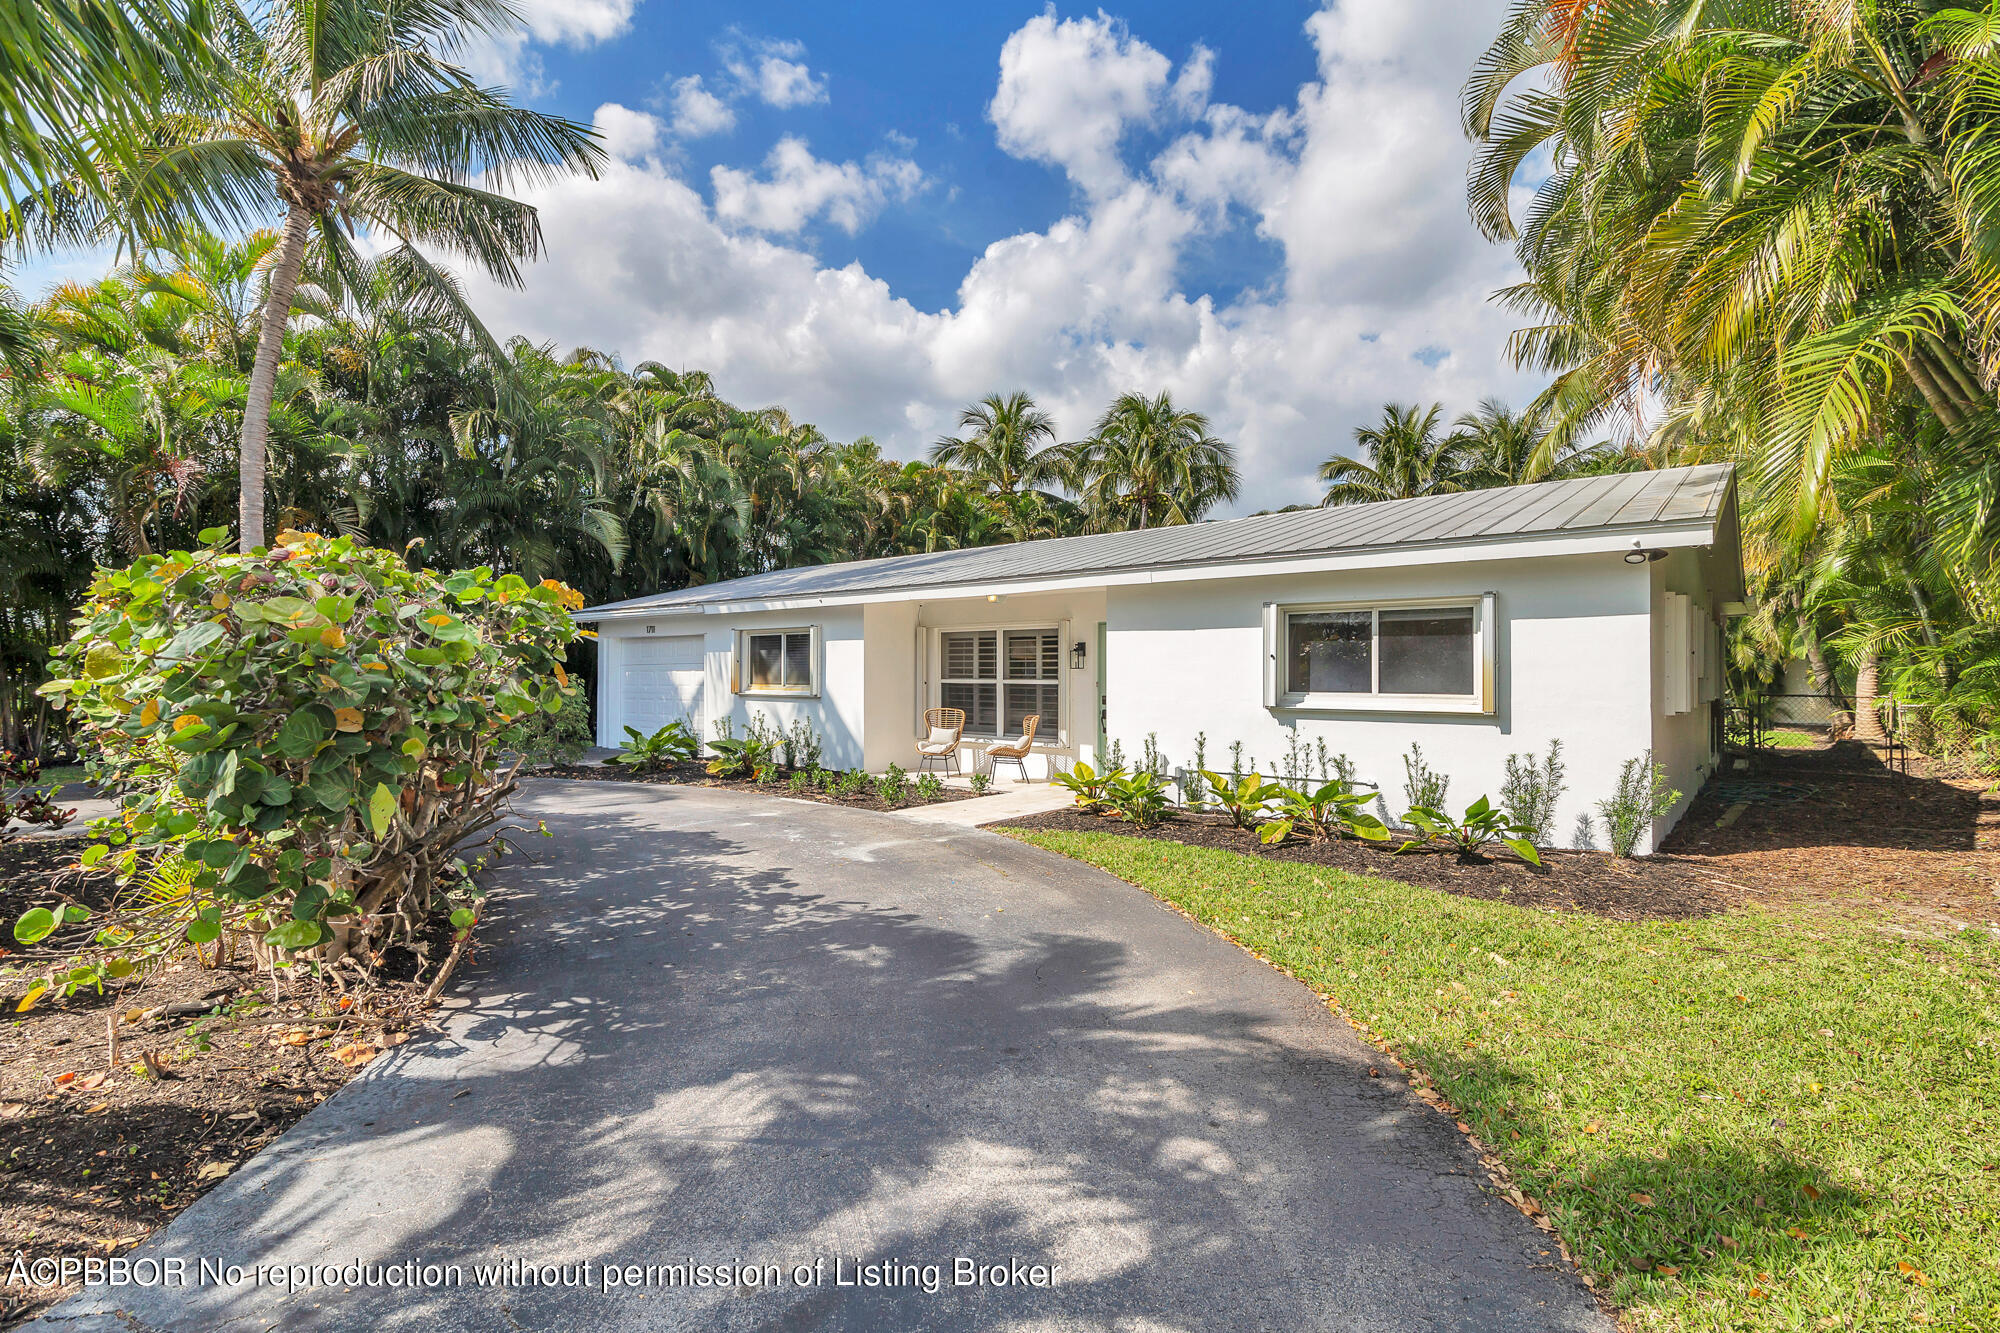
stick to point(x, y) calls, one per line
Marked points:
point(1149, 462)
point(1003, 443)
point(1508, 448)
point(1407, 457)
point(345, 113)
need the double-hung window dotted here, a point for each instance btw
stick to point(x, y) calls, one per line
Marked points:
point(1000, 677)
point(778, 661)
point(1420, 657)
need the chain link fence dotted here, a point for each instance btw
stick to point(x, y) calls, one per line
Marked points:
point(1898, 733)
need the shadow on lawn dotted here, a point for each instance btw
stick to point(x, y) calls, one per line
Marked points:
point(677, 1054)
point(1700, 1207)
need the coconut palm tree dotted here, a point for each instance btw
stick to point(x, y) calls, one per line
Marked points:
point(1504, 447)
point(1406, 457)
point(1149, 462)
point(344, 114)
point(1003, 442)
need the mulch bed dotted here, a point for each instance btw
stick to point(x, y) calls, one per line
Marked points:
point(693, 773)
point(1831, 828)
point(1657, 887)
point(94, 1157)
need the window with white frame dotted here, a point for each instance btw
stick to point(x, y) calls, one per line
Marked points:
point(1001, 677)
point(1429, 655)
point(778, 661)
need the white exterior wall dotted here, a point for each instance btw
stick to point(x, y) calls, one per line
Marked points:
point(836, 713)
point(1573, 660)
point(1683, 727)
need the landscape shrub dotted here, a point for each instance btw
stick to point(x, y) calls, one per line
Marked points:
point(673, 743)
point(1532, 789)
point(981, 783)
point(314, 729)
point(852, 783)
point(1480, 826)
point(827, 780)
point(1140, 798)
point(930, 787)
point(1194, 787)
point(893, 786)
point(1643, 794)
point(1330, 811)
point(1086, 784)
point(1245, 797)
point(802, 746)
point(560, 737)
point(22, 800)
point(1424, 788)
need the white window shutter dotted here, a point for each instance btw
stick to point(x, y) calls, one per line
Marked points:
point(1065, 686)
point(816, 659)
point(923, 679)
point(1273, 646)
point(1678, 685)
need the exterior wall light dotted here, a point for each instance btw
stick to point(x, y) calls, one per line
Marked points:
point(1076, 656)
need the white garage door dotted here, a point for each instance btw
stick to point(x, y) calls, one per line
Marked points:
point(661, 681)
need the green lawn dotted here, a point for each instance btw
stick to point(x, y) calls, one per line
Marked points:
point(1748, 1122)
point(60, 773)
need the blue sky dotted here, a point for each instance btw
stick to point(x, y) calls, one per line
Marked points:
point(874, 214)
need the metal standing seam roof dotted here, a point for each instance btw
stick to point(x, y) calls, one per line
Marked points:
point(1579, 505)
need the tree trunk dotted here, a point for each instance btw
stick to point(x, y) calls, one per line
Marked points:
point(1823, 678)
point(264, 377)
point(1867, 689)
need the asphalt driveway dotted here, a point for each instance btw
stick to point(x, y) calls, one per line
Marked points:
point(720, 1029)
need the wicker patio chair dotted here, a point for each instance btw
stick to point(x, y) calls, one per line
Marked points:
point(1014, 752)
point(946, 728)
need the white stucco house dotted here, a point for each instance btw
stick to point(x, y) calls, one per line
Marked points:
point(1477, 625)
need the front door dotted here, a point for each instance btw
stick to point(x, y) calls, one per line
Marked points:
point(1103, 743)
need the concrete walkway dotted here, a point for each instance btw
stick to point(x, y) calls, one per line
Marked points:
point(718, 1028)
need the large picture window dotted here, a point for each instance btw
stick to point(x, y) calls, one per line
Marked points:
point(1000, 677)
point(778, 662)
point(1374, 655)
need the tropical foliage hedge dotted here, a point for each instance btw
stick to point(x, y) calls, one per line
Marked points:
point(305, 735)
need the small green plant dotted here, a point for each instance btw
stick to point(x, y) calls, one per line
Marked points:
point(1245, 797)
point(1115, 757)
point(1298, 759)
point(1335, 767)
point(801, 745)
point(1088, 785)
point(893, 787)
point(1236, 759)
point(1331, 810)
point(1424, 788)
point(930, 787)
point(981, 783)
point(801, 782)
point(754, 755)
point(826, 780)
point(1140, 798)
point(1152, 761)
point(1194, 787)
point(1532, 789)
point(673, 743)
point(1479, 826)
point(852, 783)
point(1643, 794)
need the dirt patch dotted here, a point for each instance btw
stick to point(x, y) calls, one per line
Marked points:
point(1657, 887)
point(1837, 827)
point(695, 774)
point(95, 1156)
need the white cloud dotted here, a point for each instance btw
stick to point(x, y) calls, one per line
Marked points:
point(771, 70)
point(577, 22)
point(1356, 188)
point(507, 59)
point(1069, 90)
point(627, 134)
point(800, 187)
point(698, 112)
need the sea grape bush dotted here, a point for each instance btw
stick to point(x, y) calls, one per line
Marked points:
point(316, 726)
